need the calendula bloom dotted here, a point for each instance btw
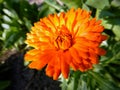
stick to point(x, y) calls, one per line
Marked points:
point(64, 41)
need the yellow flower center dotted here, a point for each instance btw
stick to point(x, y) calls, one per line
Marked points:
point(63, 41)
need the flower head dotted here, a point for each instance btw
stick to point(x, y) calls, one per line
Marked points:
point(67, 40)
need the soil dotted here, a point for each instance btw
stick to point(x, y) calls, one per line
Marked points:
point(23, 78)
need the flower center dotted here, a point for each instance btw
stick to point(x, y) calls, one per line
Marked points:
point(63, 41)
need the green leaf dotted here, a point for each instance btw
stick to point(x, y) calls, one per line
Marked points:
point(4, 84)
point(54, 5)
point(91, 83)
point(104, 84)
point(73, 3)
point(46, 10)
point(115, 69)
point(116, 30)
point(106, 24)
point(27, 23)
point(111, 23)
point(106, 14)
point(7, 19)
point(28, 11)
point(1, 1)
point(5, 26)
point(113, 54)
point(10, 36)
point(84, 6)
point(82, 85)
point(76, 79)
point(70, 86)
point(64, 84)
point(10, 13)
point(99, 4)
point(114, 21)
point(115, 3)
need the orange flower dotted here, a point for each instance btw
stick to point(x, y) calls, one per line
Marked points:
point(67, 40)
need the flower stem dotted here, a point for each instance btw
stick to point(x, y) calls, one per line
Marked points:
point(97, 13)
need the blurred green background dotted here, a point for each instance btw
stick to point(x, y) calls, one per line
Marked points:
point(16, 19)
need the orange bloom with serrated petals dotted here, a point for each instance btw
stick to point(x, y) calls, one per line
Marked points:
point(66, 40)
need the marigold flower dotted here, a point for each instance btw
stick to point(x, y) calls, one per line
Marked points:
point(66, 40)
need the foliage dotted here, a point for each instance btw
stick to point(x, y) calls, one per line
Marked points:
point(17, 17)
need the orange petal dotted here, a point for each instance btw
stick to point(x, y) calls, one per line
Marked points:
point(92, 36)
point(81, 47)
point(85, 42)
point(82, 67)
point(75, 55)
point(44, 58)
point(49, 24)
point(33, 55)
point(94, 58)
point(74, 65)
point(87, 64)
point(56, 73)
point(29, 57)
point(80, 52)
point(34, 51)
point(62, 21)
point(84, 55)
point(64, 68)
point(67, 56)
point(70, 17)
point(98, 51)
point(37, 64)
point(101, 51)
point(97, 28)
point(104, 37)
point(49, 70)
